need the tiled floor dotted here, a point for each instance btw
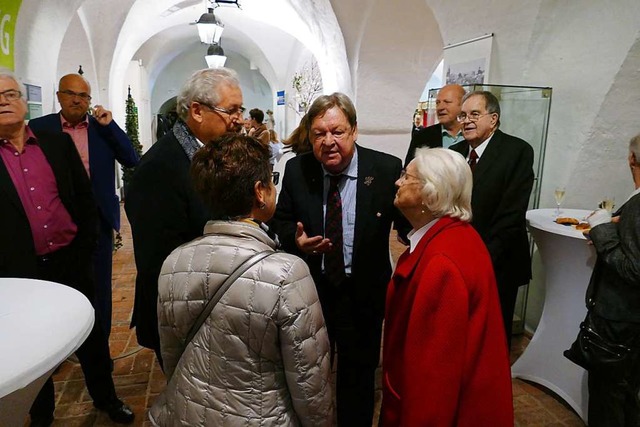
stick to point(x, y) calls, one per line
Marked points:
point(138, 377)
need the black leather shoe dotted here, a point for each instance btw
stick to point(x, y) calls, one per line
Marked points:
point(41, 421)
point(117, 411)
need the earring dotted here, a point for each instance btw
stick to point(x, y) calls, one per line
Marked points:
point(263, 205)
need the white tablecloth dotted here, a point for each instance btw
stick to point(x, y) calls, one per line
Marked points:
point(568, 262)
point(41, 324)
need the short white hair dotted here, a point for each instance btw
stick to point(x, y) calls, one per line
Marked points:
point(203, 86)
point(8, 74)
point(447, 182)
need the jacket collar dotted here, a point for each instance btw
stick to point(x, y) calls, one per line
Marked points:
point(408, 261)
point(239, 229)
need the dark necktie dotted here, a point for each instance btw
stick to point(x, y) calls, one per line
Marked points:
point(473, 159)
point(334, 259)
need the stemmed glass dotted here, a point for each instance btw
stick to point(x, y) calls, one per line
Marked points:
point(559, 195)
point(608, 203)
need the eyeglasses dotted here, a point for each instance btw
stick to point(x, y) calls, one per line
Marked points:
point(238, 111)
point(404, 174)
point(275, 177)
point(473, 117)
point(337, 135)
point(82, 95)
point(11, 95)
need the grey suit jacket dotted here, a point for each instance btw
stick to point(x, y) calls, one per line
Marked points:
point(614, 289)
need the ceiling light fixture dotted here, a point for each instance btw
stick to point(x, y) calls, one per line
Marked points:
point(215, 56)
point(209, 28)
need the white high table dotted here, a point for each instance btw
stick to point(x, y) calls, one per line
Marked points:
point(41, 324)
point(568, 262)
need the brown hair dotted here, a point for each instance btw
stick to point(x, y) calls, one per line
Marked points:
point(224, 173)
point(299, 139)
point(326, 102)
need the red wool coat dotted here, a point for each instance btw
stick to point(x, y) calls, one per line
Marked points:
point(445, 361)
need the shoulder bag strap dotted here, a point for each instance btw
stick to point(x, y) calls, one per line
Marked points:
point(221, 291)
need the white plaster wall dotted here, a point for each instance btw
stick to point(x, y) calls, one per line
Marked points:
point(138, 79)
point(393, 49)
point(75, 51)
point(37, 51)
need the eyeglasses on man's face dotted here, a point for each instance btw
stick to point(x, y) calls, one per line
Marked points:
point(337, 135)
point(11, 95)
point(237, 112)
point(82, 95)
point(474, 116)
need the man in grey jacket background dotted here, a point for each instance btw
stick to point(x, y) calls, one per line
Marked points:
point(613, 298)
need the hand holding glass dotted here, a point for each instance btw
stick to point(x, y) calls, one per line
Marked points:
point(559, 195)
point(609, 203)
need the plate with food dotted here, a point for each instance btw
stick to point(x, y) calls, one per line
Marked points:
point(573, 222)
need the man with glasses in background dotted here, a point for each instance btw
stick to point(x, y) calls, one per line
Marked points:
point(335, 211)
point(161, 204)
point(502, 167)
point(100, 143)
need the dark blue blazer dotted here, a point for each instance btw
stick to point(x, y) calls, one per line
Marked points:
point(106, 145)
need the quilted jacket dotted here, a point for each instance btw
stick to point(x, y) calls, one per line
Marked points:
point(262, 356)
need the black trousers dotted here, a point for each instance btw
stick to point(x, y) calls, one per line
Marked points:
point(613, 396)
point(354, 333)
point(508, 295)
point(72, 267)
point(102, 271)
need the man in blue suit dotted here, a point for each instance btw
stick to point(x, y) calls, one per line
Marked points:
point(100, 142)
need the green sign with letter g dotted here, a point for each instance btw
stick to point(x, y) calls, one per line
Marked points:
point(8, 16)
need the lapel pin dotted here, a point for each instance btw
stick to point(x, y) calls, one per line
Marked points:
point(368, 180)
point(378, 214)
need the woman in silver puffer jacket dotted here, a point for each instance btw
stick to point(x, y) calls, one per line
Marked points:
point(262, 356)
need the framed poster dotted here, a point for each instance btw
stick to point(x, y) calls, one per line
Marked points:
point(34, 93)
point(468, 62)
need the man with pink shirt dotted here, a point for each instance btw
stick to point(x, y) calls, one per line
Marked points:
point(48, 229)
point(100, 142)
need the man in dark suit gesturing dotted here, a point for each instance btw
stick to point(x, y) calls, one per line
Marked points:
point(502, 168)
point(448, 130)
point(100, 142)
point(336, 210)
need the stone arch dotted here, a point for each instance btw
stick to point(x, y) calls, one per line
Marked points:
point(399, 47)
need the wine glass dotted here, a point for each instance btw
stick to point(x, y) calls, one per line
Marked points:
point(559, 195)
point(608, 203)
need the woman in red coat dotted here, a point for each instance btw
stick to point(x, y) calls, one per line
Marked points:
point(445, 361)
